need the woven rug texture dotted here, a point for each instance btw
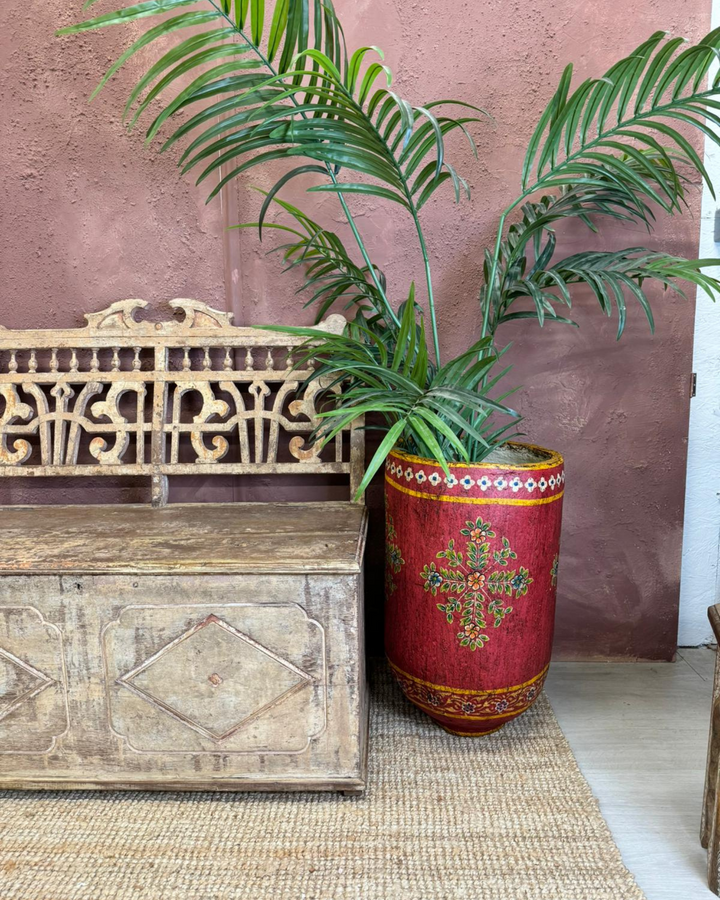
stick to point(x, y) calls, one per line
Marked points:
point(505, 817)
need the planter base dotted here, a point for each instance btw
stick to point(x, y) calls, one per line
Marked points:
point(471, 733)
point(469, 713)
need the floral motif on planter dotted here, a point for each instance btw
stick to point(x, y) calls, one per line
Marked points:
point(393, 555)
point(476, 581)
point(464, 704)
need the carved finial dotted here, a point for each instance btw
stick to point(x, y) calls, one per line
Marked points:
point(334, 324)
point(119, 316)
point(200, 315)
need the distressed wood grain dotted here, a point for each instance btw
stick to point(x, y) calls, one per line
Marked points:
point(184, 538)
point(189, 646)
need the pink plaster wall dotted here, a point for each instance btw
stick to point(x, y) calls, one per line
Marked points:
point(89, 216)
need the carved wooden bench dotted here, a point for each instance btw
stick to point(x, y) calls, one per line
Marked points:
point(189, 646)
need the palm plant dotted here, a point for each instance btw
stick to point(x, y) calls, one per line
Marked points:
point(254, 83)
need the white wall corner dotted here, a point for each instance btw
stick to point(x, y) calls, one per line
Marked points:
point(699, 584)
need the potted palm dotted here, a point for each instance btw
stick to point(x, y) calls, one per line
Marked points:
point(472, 517)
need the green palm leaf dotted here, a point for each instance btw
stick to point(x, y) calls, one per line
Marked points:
point(314, 102)
point(613, 276)
point(591, 125)
point(331, 275)
point(611, 148)
point(429, 412)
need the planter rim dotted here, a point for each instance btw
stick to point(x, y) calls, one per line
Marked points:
point(553, 459)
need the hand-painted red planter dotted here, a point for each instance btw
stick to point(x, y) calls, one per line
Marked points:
point(471, 571)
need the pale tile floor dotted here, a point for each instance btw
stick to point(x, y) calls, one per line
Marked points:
point(639, 734)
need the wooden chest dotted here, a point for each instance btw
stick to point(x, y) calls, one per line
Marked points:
point(181, 646)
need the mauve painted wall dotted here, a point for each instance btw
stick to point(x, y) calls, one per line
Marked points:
point(90, 216)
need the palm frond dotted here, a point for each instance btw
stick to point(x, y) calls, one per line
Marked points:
point(316, 102)
point(613, 147)
point(638, 101)
point(331, 276)
point(435, 413)
point(285, 87)
point(527, 268)
point(613, 277)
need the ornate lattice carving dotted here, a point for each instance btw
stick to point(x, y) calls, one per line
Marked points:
point(191, 395)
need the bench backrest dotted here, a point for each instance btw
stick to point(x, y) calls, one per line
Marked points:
point(189, 396)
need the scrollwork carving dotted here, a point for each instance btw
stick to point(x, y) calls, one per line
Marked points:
point(78, 420)
point(14, 409)
point(72, 418)
point(211, 407)
point(109, 407)
point(119, 318)
point(201, 316)
point(299, 451)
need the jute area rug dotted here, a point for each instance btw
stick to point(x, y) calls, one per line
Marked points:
point(506, 817)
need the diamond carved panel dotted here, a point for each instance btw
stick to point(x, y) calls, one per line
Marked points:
point(233, 676)
point(33, 700)
point(19, 682)
point(215, 679)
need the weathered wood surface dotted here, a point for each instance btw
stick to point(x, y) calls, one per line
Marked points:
point(183, 538)
point(232, 682)
point(710, 825)
point(197, 646)
point(195, 396)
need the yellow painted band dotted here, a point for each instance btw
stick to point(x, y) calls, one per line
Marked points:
point(553, 459)
point(443, 688)
point(446, 498)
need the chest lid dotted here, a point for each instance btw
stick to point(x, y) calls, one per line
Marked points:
point(288, 538)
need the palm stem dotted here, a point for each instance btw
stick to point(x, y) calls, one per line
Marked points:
point(489, 287)
point(428, 281)
point(346, 210)
point(420, 235)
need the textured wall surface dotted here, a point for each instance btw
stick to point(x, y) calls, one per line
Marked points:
point(91, 216)
point(88, 215)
